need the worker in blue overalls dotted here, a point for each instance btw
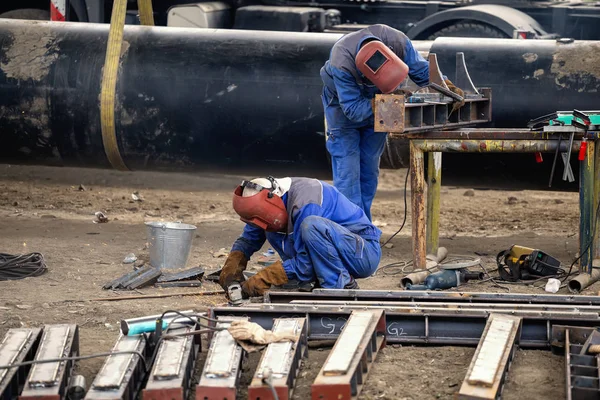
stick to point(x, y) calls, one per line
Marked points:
point(376, 59)
point(319, 234)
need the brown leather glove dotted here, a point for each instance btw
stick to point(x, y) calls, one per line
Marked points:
point(458, 91)
point(258, 284)
point(233, 269)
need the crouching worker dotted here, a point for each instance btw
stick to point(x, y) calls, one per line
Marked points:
point(320, 235)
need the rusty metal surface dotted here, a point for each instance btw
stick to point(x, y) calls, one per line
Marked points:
point(490, 146)
point(417, 190)
point(121, 376)
point(487, 134)
point(49, 380)
point(349, 362)
point(491, 361)
point(582, 372)
point(223, 366)
point(389, 113)
point(282, 360)
point(18, 345)
point(172, 372)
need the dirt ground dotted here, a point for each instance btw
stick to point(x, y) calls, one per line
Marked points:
point(43, 210)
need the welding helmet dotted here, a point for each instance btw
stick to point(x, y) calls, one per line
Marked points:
point(258, 202)
point(380, 65)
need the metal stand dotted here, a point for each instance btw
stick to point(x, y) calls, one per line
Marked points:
point(425, 230)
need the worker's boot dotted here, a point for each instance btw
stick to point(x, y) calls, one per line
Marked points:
point(258, 284)
point(352, 284)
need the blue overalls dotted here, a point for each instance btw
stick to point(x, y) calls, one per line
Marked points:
point(354, 146)
point(329, 239)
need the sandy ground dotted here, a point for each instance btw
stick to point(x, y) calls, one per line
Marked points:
point(43, 210)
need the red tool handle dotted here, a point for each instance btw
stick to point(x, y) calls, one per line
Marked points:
point(582, 150)
point(538, 157)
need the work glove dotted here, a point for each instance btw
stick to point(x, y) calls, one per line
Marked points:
point(254, 333)
point(258, 284)
point(458, 91)
point(233, 270)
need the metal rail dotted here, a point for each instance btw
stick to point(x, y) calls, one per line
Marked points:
point(429, 296)
point(349, 362)
point(487, 371)
point(413, 326)
point(172, 373)
point(223, 367)
point(18, 345)
point(49, 380)
point(121, 375)
point(280, 361)
point(582, 371)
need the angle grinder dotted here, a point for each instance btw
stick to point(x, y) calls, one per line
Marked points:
point(234, 294)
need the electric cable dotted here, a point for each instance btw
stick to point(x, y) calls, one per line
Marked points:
point(405, 209)
point(75, 358)
point(14, 267)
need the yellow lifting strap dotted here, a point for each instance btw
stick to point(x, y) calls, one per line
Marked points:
point(110, 74)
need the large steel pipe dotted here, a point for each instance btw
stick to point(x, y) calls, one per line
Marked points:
point(193, 98)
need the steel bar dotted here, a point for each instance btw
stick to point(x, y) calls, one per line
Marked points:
point(412, 326)
point(489, 134)
point(122, 375)
point(223, 367)
point(457, 145)
point(417, 195)
point(18, 345)
point(453, 306)
point(596, 224)
point(172, 372)
point(50, 380)
point(281, 361)
point(428, 296)
point(487, 371)
point(582, 372)
point(349, 362)
point(434, 183)
point(586, 208)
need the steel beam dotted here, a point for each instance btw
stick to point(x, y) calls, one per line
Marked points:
point(429, 296)
point(122, 375)
point(281, 361)
point(18, 345)
point(413, 326)
point(49, 381)
point(434, 183)
point(492, 307)
point(417, 195)
point(223, 367)
point(172, 372)
point(487, 372)
point(582, 372)
point(349, 362)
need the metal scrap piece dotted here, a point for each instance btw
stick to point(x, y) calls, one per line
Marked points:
point(18, 345)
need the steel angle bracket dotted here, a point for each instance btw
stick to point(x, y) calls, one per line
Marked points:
point(282, 361)
point(428, 111)
point(121, 375)
point(223, 366)
point(349, 362)
point(18, 345)
point(172, 372)
point(582, 371)
point(49, 381)
point(487, 372)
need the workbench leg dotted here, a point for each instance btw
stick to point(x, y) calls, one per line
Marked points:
point(434, 183)
point(586, 202)
point(417, 187)
point(596, 244)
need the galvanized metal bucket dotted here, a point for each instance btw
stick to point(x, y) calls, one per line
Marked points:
point(169, 244)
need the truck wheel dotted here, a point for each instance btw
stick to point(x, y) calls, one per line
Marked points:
point(27, 13)
point(469, 29)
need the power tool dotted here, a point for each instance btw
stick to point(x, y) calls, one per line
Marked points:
point(446, 279)
point(522, 263)
point(234, 293)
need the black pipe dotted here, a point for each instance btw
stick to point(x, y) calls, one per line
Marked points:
point(199, 99)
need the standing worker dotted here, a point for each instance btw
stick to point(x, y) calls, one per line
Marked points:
point(376, 59)
point(319, 234)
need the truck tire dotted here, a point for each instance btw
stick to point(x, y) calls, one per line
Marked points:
point(469, 29)
point(27, 13)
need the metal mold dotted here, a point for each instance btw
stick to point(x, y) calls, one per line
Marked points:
point(18, 345)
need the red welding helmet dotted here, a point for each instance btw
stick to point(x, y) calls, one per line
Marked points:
point(381, 66)
point(263, 208)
